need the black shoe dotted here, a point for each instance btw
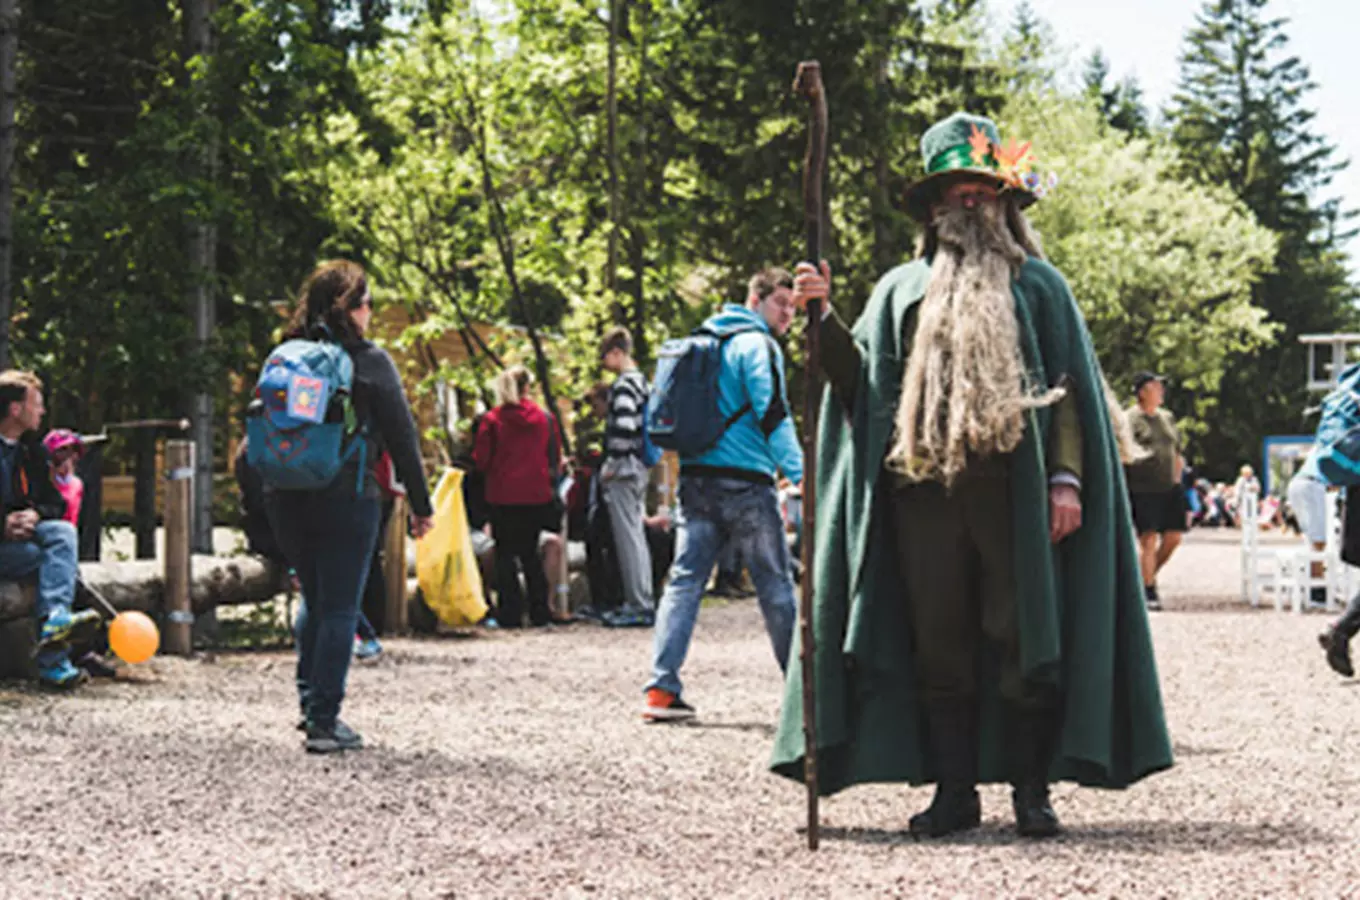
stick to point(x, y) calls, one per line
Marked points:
point(1034, 815)
point(336, 739)
point(1034, 739)
point(952, 729)
point(1153, 601)
point(1338, 648)
point(955, 808)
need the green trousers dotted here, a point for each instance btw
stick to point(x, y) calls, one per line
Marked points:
point(956, 558)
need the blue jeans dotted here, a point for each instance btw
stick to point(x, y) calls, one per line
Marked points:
point(715, 512)
point(52, 554)
point(328, 537)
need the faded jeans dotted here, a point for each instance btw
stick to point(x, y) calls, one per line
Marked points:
point(715, 512)
point(52, 554)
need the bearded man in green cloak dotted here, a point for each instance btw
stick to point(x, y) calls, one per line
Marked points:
point(978, 612)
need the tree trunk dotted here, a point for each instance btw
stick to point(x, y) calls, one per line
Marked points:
point(140, 584)
point(637, 236)
point(214, 581)
point(612, 104)
point(9, 54)
point(202, 240)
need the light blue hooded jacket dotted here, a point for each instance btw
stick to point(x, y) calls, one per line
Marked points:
point(763, 441)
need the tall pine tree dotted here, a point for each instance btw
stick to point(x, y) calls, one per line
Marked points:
point(1239, 118)
point(1120, 104)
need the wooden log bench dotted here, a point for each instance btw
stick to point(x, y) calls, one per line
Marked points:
point(140, 585)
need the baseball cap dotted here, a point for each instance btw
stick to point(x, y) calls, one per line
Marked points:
point(1143, 378)
point(60, 439)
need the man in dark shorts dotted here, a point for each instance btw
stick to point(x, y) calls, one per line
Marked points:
point(1155, 482)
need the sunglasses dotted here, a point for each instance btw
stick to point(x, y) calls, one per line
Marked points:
point(365, 301)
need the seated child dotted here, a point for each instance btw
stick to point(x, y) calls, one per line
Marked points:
point(64, 448)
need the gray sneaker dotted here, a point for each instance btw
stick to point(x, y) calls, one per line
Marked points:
point(336, 739)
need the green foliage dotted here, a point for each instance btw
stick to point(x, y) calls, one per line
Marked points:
point(1239, 119)
point(1121, 104)
point(1163, 268)
point(459, 150)
point(107, 182)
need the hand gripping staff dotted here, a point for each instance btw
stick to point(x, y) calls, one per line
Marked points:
point(808, 83)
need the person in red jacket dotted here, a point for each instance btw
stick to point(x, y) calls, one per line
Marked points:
point(518, 450)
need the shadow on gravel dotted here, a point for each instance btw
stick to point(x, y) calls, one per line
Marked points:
point(765, 729)
point(436, 764)
point(1179, 750)
point(1136, 837)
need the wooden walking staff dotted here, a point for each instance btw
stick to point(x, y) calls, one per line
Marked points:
point(808, 83)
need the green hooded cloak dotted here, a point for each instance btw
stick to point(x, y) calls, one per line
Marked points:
point(1082, 617)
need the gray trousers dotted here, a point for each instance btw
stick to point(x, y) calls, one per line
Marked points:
point(623, 488)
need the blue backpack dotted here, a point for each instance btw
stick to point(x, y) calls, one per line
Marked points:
point(301, 427)
point(651, 453)
point(683, 410)
point(1337, 447)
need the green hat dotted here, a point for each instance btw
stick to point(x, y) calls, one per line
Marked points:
point(968, 146)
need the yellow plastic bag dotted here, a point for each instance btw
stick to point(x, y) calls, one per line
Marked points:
point(446, 567)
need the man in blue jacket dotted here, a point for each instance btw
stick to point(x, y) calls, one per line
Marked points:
point(727, 494)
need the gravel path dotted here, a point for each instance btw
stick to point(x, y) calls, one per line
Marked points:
point(515, 766)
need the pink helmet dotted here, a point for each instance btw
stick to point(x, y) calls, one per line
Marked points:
point(61, 439)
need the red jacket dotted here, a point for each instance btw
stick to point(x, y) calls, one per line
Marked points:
point(517, 447)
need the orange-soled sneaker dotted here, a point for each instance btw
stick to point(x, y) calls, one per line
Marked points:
point(663, 706)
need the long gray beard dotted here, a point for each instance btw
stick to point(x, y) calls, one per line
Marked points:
point(965, 390)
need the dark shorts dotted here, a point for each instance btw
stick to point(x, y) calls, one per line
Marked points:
point(1159, 512)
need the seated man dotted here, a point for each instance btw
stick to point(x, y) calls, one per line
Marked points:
point(36, 539)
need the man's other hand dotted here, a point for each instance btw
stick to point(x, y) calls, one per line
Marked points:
point(1064, 508)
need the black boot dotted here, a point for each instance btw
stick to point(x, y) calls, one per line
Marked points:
point(1336, 640)
point(953, 749)
point(1035, 736)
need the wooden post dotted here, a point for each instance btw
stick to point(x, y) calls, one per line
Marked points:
point(394, 578)
point(179, 492)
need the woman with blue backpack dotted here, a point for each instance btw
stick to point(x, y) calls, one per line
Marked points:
point(327, 406)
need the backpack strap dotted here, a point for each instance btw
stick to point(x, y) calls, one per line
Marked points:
point(723, 337)
point(777, 411)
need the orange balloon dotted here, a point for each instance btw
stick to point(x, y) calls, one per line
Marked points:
point(133, 636)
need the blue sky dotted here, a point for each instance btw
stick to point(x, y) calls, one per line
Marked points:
point(1144, 38)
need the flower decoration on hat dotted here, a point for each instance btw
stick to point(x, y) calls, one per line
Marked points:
point(1013, 162)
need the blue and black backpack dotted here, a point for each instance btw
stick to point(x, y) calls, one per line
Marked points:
point(683, 409)
point(302, 427)
point(1337, 445)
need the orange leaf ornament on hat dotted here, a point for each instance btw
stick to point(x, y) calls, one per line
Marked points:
point(1014, 162)
point(981, 144)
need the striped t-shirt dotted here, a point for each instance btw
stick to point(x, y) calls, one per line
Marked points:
point(627, 404)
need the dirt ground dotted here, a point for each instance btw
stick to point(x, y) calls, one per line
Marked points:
point(516, 766)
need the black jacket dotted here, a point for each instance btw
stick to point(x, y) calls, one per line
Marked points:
point(380, 400)
point(31, 486)
point(254, 518)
